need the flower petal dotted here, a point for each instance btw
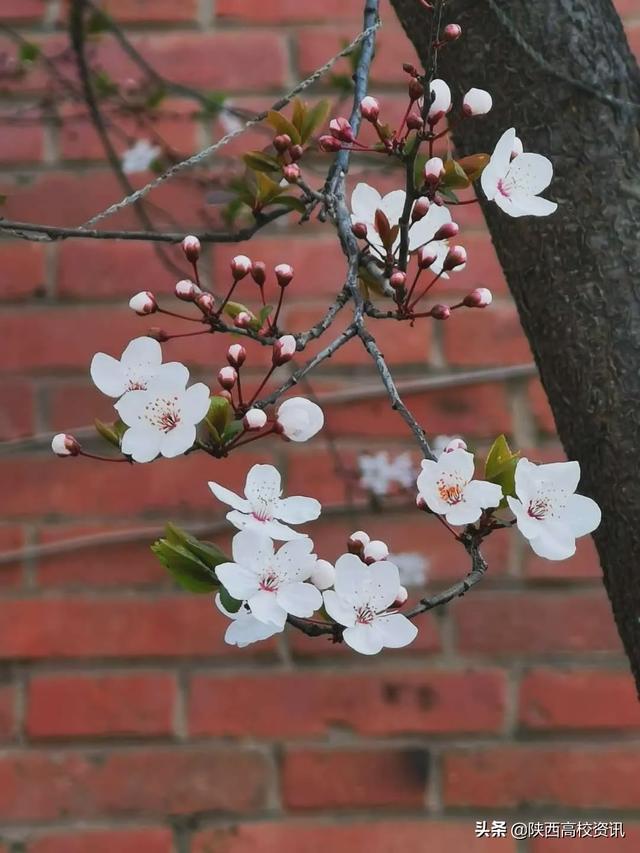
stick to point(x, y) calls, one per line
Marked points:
point(498, 165)
point(458, 462)
point(395, 630)
point(338, 610)
point(384, 584)
point(554, 541)
point(365, 200)
point(363, 638)
point(352, 579)
point(298, 510)
point(294, 560)
point(272, 528)
point(464, 512)
point(247, 629)
point(108, 375)
point(239, 581)
point(195, 403)
point(527, 525)
point(264, 606)
point(392, 206)
point(562, 475)
point(299, 599)
point(174, 373)
point(264, 485)
point(141, 443)
point(229, 497)
point(252, 549)
point(142, 352)
point(531, 173)
point(483, 494)
point(177, 441)
point(582, 515)
point(424, 230)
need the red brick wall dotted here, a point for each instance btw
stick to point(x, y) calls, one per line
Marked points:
point(126, 724)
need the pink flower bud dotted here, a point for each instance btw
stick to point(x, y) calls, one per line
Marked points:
point(329, 144)
point(456, 257)
point(205, 302)
point(291, 173)
point(451, 32)
point(254, 419)
point(191, 248)
point(143, 303)
point(187, 290)
point(243, 320)
point(477, 102)
point(397, 279)
point(455, 444)
point(414, 121)
point(478, 298)
point(420, 209)
point(284, 274)
point(433, 171)
point(282, 142)
point(359, 230)
point(259, 272)
point(227, 377)
point(296, 152)
point(447, 231)
point(441, 312)
point(410, 69)
point(65, 445)
point(323, 575)
point(284, 350)
point(226, 395)
point(401, 597)
point(426, 257)
point(236, 355)
point(375, 550)
point(369, 109)
point(421, 504)
point(158, 334)
point(416, 89)
point(341, 129)
point(240, 266)
point(357, 542)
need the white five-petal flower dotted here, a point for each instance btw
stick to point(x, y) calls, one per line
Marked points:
point(449, 489)
point(548, 512)
point(514, 184)
point(378, 472)
point(162, 419)
point(245, 628)
point(365, 200)
point(139, 157)
point(262, 509)
point(139, 364)
point(360, 601)
point(273, 584)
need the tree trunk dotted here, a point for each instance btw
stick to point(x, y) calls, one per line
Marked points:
point(575, 276)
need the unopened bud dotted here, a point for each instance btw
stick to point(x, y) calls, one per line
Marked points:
point(158, 334)
point(191, 248)
point(187, 290)
point(243, 320)
point(341, 129)
point(414, 121)
point(291, 173)
point(374, 551)
point(433, 171)
point(455, 444)
point(357, 542)
point(410, 69)
point(284, 350)
point(259, 272)
point(227, 377)
point(284, 274)
point(236, 355)
point(447, 231)
point(477, 102)
point(401, 597)
point(205, 302)
point(359, 230)
point(65, 445)
point(441, 312)
point(397, 279)
point(296, 152)
point(451, 32)
point(282, 142)
point(478, 298)
point(422, 504)
point(456, 257)
point(143, 303)
point(226, 395)
point(426, 257)
point(416, 89)
point(254, 419)
point(329, 144)
point(369, 109)
point(323, 574)
point(240, 266)
point(420, 208)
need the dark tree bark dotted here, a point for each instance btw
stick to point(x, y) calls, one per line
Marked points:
point(575, 276)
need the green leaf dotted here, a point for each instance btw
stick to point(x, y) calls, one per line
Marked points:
point(500, 467)
point(190, 572)
point(98, 22)
point(108, 432)
point(104, 85)
point(314, 119)
point(220, 413)
point(213, 103)
point(206, 552)
point(232, 309)
point(232, 431)
point(342, 82)
point(263, 313)
point(260, 162)
point(156, 97)
point(232, 605)
point(454, 177)
point(29, 52)
point(291, 202)
point(282, 125)
point(299, 114)
point(266, 189)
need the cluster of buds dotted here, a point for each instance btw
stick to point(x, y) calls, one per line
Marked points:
point(288, 154)
point(372, 551)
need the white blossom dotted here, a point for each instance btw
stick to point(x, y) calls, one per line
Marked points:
point(360, 601)
point(448, 488)
point(440, 98)
point(379, 472)
point(514, 184)
point(139, 157)
point(299, 419)
point(273, 583)
point(245, 628)
point(162, 420)
point(548, 512)
point(262, 510)
point(138, 365)
point(477, 102)
point(365, 200)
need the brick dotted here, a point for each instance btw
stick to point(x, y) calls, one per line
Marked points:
point(17, 413)
point(346, 779)
point(114, 627)
point(22, 10)
point(536, 623)
point(387, 703)
point(584, 699)
point(21, 143)
point(22, 274)
point(287, 11)
point(152, 11)
point(585, 564)
point(374, 836)
point(8, 722)
point(68, 487)
point(627, 7)
point(493, 336)
point(612, 844)
point(147, 840)
point(535, 776)
point(76, 706)
point(540, 407)
point(11, 539)
point(133, 782)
